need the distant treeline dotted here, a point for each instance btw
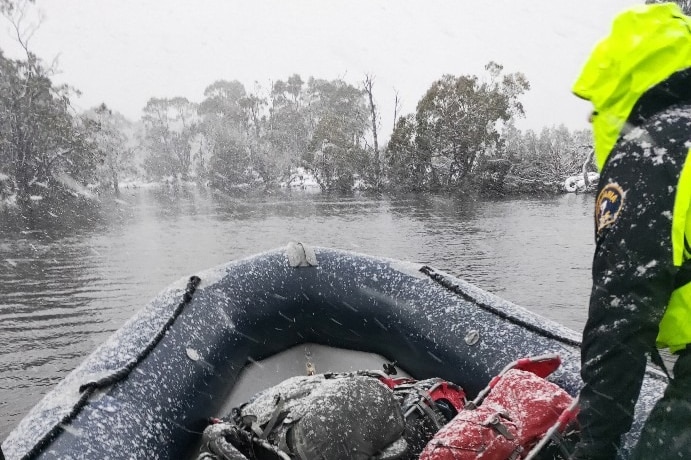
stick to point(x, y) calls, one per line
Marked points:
point(461, 137)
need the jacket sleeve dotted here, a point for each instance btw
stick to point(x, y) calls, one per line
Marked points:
point(633, 277)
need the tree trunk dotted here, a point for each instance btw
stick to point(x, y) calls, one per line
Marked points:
point(116, 184)
point(585, 168)
point(369, 84)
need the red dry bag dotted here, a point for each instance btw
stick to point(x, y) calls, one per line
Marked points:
point(518, 411)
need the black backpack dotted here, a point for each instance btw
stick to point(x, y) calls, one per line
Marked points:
point(360, 415)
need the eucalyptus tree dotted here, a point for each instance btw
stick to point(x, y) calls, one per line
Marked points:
point(170, 126)
point(290, 124)
point(226, 129)
point(41, 143)
point(405, 167)
point(457, 121)
point(44, 148)
point(522, 149)
point(541, 162)
point(109, 133)
point(263, 161)
point(336, 153)
point(560, 153)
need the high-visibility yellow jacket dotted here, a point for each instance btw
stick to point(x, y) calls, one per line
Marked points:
point(639, 82)
point(648, 45)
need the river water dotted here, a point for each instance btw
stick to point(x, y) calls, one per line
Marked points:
point(69, 279)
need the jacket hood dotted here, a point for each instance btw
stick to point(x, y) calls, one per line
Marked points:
point(646, 45)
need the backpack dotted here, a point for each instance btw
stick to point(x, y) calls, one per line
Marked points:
point(359, 415)
point(514, 416)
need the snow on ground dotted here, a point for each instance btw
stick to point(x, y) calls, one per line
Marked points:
point(300, 178)
point(577, 183)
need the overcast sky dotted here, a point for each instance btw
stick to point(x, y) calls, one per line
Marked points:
point(123, 52)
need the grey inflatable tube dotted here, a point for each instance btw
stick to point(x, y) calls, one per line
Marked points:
point(174, 364)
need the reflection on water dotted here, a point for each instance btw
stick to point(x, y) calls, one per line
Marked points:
point(70, 277)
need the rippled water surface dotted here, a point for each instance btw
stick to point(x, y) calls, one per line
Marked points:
point(68, 280)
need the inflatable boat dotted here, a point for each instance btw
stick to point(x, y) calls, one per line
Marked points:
point(208, 342)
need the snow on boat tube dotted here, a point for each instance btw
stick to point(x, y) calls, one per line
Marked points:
point(148, 392)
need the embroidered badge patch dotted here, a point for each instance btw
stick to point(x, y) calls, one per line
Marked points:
point(608, 206)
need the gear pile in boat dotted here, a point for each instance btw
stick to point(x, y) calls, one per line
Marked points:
point(373, 415)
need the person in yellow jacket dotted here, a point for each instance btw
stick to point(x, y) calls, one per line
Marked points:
point(638, 80)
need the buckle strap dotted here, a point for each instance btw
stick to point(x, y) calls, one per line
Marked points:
point(498, 426)
point(280, 402)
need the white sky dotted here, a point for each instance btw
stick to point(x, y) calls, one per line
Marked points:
point(123, 52)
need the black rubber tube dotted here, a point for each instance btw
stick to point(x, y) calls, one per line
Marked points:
point(89, 388)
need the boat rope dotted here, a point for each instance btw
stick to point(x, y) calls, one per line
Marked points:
point(456, 289)
point(89, 388)
point(121, 373)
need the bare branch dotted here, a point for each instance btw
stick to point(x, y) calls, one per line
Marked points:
point(23, 28)
point(396, 106)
